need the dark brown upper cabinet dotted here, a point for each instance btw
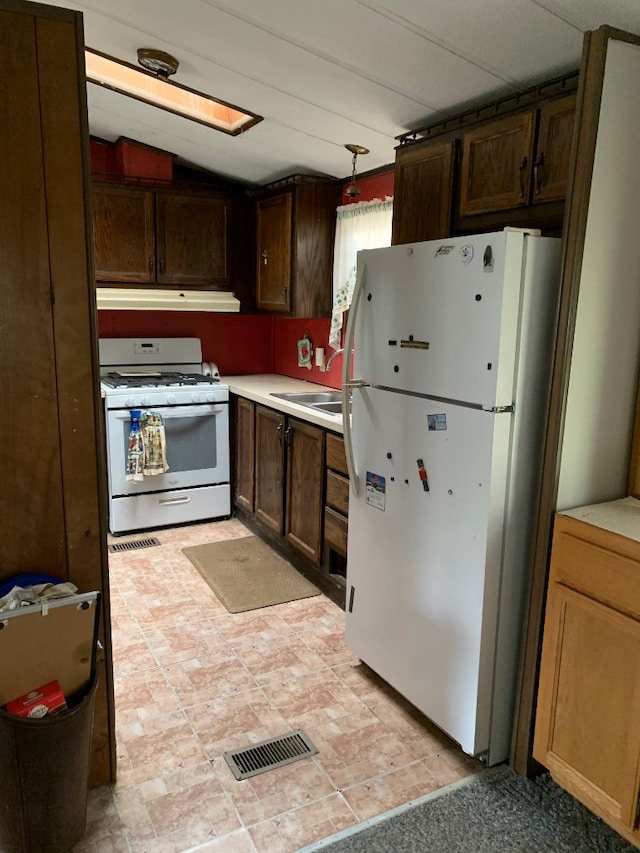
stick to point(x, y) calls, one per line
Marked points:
point(191, 239)
point(423, 190)
point(172, 239)
point(496, 164)
point(501, 163)
point(273, 277)
point(553, 150)
point(519, 160)
point(295, 221)
point(124, 234)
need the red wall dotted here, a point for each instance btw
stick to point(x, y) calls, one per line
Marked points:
point(238, 343)
point(375, 186)
point(286, 334)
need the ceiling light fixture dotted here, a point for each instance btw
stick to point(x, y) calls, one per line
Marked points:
point(153, 87)
point(157, 61)
point(353, 190)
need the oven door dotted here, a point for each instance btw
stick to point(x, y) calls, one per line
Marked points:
point(197, 448)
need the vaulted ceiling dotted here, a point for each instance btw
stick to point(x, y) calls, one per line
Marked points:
point(323, 73)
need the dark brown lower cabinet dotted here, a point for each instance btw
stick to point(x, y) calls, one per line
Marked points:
point(244, 423)
point(269, 462)
point(336, 511)
point(290, 483)
point(289, 472)
point(305, 474)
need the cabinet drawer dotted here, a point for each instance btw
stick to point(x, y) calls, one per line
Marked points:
point(596, 570)
point(335, 530)
point(335, 457)
point(338, 492)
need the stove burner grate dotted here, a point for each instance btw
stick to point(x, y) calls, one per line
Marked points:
point(155, 380)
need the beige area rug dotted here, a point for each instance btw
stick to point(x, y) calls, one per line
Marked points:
point(246, 574)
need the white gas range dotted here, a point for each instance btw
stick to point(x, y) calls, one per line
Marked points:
point(166, 377)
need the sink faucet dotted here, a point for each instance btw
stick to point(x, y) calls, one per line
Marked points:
point(332, 356)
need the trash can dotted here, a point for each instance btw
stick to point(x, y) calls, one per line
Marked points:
point(44, 767)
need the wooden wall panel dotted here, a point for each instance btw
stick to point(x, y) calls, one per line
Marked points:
point(65, 140)
point(29, 450)
point(53, 492)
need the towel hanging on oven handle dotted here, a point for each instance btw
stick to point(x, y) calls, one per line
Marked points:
point(135, 448)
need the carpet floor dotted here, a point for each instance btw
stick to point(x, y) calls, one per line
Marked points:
point(496, 812)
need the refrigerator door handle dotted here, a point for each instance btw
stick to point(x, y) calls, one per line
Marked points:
point(348, 383)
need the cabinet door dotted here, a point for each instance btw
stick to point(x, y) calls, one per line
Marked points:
point(244, 451)
point(123, 231)
point(305, 473)
point(497, 164)
point(422, 192)
point(191, 233)
point(273, 275)
point(269, 462)
point(553, 151)
point(587, 728)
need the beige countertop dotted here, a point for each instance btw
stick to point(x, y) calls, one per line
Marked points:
point(261, 386)
point(620, 516)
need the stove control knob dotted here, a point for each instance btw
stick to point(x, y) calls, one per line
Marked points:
point(171, 399)
point(211, 398)
point(146, 401)
point(196, 398)
point(131, 403)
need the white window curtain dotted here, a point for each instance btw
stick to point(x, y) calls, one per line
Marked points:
point(365, 225)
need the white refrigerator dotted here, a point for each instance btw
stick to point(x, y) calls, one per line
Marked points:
point(453, 343)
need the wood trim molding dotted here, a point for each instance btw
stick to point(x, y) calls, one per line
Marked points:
point(494, 109)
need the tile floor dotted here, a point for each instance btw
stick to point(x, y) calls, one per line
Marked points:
point(193, 681)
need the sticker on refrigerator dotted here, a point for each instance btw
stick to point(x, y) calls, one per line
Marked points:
point(376, 490)
point(436, 422)
point(444, 250)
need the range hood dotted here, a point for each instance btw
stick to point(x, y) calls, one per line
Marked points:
point(137, 299)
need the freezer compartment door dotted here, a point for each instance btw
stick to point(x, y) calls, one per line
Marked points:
point(424, 554)
point(441, 317)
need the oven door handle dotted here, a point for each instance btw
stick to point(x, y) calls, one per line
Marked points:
point(181, 499)
point(194, 411)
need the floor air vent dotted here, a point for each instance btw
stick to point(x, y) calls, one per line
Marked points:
point(131, 546)
point(272, 753)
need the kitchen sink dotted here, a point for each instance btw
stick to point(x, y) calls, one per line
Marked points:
point(329, 402)
point(333, 408)
point(305, 398)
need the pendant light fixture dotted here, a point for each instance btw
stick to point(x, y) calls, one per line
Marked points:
point(353, 190)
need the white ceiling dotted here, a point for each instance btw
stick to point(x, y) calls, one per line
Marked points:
point(327, 72)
